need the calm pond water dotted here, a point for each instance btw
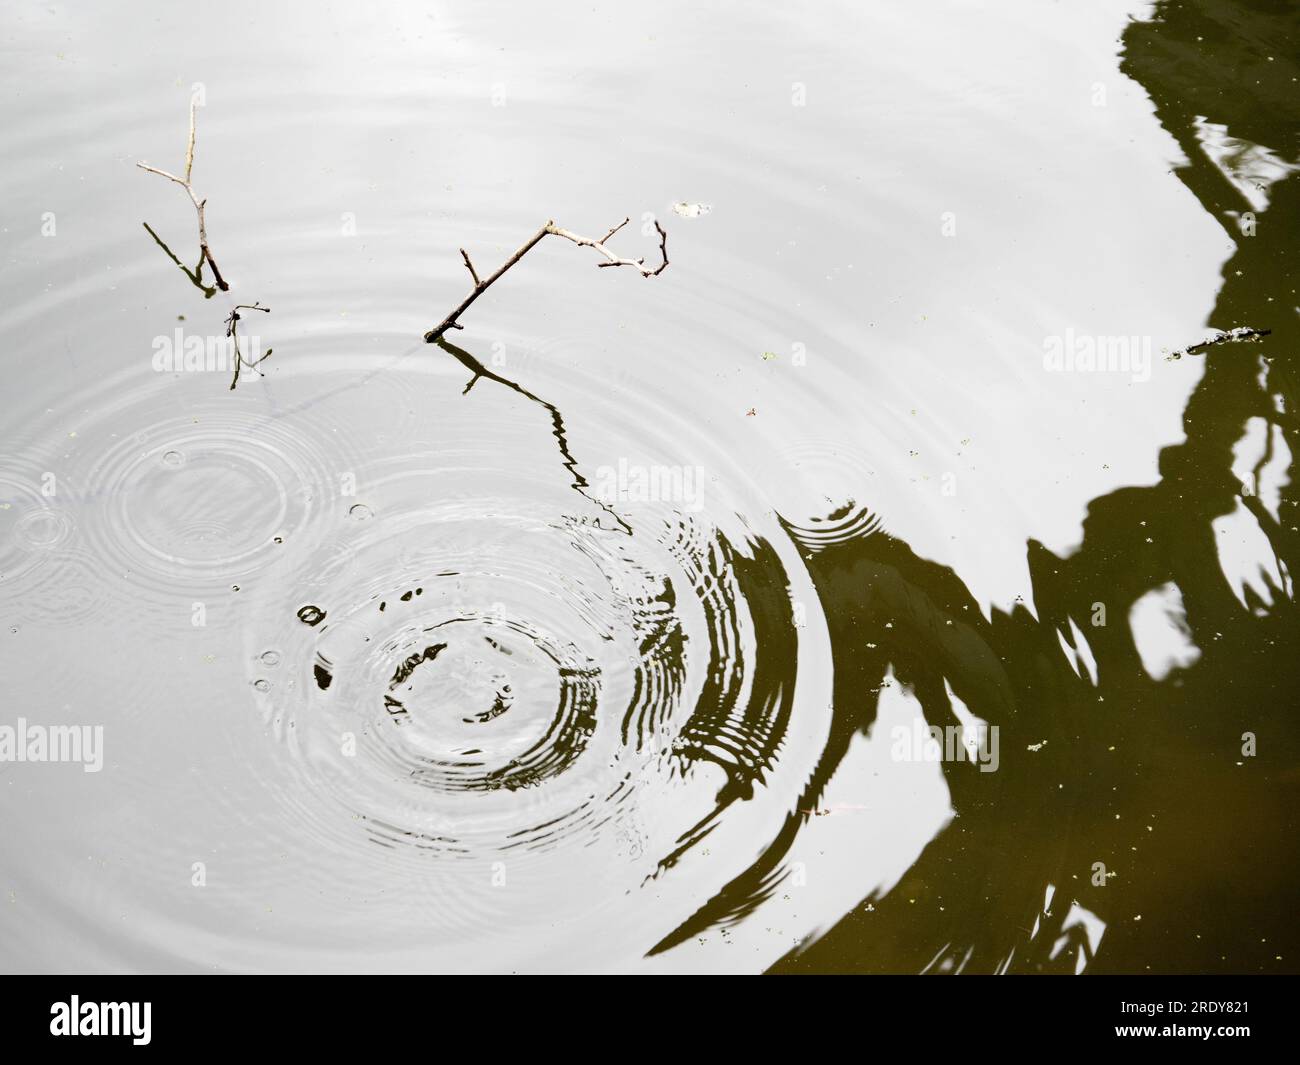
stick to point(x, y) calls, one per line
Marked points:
point(626, 657)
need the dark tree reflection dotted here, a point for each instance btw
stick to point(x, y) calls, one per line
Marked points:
point(1146, 777)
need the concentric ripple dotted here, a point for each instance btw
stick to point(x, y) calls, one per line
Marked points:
point(46, 573)
point(493, 668)
point(469, 658)
point(30, 527)
point(201, 505)
point(132, 508)
point(842, 525)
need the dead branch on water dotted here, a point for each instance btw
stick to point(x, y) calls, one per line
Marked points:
point(199, 204)
point(550, 229)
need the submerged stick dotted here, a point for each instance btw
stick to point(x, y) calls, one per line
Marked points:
point(199, 204)
point(550, 229)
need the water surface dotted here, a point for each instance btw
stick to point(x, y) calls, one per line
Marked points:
point(582, 642)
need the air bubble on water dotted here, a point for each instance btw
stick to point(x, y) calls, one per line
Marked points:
point(173, 459)
point(262, 685)
point(270, 658)
point(360, 512)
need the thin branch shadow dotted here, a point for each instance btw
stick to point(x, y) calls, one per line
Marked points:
point(579, 483)
point(195, 276)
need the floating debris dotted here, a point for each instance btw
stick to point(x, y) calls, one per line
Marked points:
point(1241, 333)
point(692, 210)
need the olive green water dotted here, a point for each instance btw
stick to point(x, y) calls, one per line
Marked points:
point(392, 679)
point(1139, 775)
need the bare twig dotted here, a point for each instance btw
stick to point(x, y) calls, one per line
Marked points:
point(614, 260)
point(199, 204)
point(548, 230)
point(232, 331)
point(470, 266)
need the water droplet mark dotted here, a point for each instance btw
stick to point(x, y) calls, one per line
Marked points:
point(311, 615)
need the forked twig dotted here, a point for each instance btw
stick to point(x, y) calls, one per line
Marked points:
point(614, 260)
point(550, 229)
point(232, 332)
point(199, 204)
